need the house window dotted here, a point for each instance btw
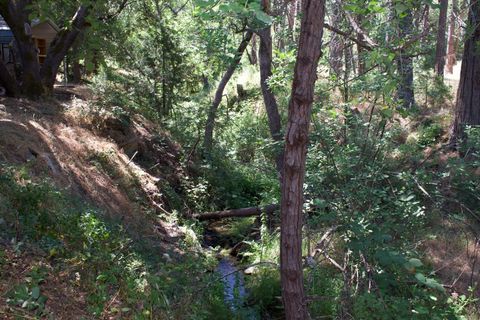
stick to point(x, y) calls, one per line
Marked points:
point(42, 49)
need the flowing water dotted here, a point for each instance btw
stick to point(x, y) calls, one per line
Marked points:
point(233, 283)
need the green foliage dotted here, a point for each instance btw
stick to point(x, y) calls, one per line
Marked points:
point(325, 284)
point(27, 295)
point(265, 289)
point(429, 134)
point(105, 262)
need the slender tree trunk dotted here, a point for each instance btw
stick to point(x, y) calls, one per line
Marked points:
point(468, 95)
point(7, 81)
point(253, 56)
point(360, 49)
point(77, 71)
point(405, 91)
point(296, 140)
point(348, 69)
point(208, 136)
point(441, 49)
point(336, 42)
point(451, 54)
point(291, 17)
point(265, 57)
point(59, 47)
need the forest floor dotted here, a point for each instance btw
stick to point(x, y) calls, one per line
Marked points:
point(125, 167)
point(118, 166)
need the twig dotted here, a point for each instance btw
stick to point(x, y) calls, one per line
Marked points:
point(131, 159)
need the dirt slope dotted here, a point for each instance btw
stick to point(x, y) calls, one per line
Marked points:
point(97, 156)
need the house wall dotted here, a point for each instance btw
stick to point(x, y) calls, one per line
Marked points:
point(6, 38)
point(44, 31)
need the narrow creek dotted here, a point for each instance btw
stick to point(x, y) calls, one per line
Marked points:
point(235, 293)
point(233, 283)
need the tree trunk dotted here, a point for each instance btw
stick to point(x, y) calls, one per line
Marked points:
point(77, 71)
point(451, 55)
point(265, 57)
point(34, 80)
point(237, 213)
point(468, 95)
point(59, 47)
point(291, 17)
point(441, 50)
point(16, 15)
point(253, 56)
point(296, 139)
point(208, 136)
point(7, 81)
point(360, 49)
point(335, 58)
point(405, 91)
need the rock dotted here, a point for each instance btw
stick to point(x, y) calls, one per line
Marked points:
point(251, 270)
point(167, 257)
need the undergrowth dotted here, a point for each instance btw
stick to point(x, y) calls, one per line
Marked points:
point(122, 277)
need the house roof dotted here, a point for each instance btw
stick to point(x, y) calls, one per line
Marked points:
point(35, 22)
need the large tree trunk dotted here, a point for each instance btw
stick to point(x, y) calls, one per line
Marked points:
point(441, 49)
point(265, 57)
point(212, 112)
point(468, 95)
point(451, 54)
point(405, 91)
point(16, 15)
point(59, 47)
point(7, 81)
point(296, 139)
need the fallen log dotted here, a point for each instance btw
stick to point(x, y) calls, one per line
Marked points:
point(236, 213)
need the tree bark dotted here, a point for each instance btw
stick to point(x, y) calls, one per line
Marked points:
point(265, 57)
point(451, 54)
point(291, 17)
point(237, 213)
point(77, 71)
point(335, 58)
point(35, 79)
point(16, 15)
point(7, 81)
point(296, 138)
point(59, 47)
point(360, 49)
point(405, 91)
point(253, 56)
point(208, 136)
point(441, 49)
point(468, 94)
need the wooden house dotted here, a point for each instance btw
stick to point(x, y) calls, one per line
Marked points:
point(43, 33)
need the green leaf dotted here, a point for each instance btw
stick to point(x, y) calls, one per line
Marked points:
point(263, 17)
point(415, 262)
point(429, 282)
point(36, 293)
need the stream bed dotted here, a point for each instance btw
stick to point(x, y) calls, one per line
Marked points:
point(234, 289)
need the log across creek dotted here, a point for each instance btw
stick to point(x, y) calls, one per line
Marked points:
point(237, 213)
